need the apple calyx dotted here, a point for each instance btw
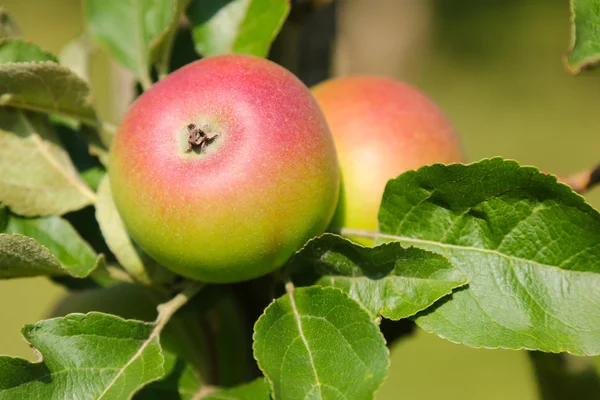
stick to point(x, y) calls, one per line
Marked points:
point(199, 139)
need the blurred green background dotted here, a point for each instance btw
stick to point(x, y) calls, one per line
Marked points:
point(494, 66)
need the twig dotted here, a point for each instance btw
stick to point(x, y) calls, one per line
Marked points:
point(583, 181)
point(118, 274)
point(145, 80)
point(166, 310)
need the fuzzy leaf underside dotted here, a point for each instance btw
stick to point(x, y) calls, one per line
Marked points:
point(37, 177)
point(47, 246)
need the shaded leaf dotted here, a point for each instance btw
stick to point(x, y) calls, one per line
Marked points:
point(17, 50)
point(163, 51)
point(116, 236)
point(584, 49)
point(528, 245)
point(76, 56)
point(318, 343)
point(180, 382)
point(43, 246)
point(129, 29)
point(256, 390)
point(8, 27)
point(386, 280)
point(97, 141)
point(236, 26)
point(37, 176)
point(85, 356)
point(81, 151)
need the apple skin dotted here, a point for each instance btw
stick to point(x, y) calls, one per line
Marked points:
point(243, 205)
point(381, 128)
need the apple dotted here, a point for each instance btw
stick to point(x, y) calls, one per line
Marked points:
point(225, 168)
point(381, 128)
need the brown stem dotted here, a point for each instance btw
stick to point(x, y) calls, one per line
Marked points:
point(583, 181)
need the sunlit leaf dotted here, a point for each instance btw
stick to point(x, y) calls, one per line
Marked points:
point(84, 356)
point(236, 26)
point(318, 343)
point(528, 245)
point(117, 238)
point(129, 30)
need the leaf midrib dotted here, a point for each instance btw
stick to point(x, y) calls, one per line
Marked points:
point(301, 332)
point(53, 162)
point(473, 249)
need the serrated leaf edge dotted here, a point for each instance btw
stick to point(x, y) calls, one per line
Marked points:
point(40, 356)
point(93, 122)
point(381, 311)
point(263, 315)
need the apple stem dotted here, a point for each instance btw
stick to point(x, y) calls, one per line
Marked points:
point(166, 310)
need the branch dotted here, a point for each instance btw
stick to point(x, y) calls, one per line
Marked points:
point(166, 310)
point(583, 181)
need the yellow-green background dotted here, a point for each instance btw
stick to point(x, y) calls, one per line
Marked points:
point(498, 73)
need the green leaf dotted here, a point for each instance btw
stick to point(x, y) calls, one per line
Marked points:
point(8, 27)
point(236, 26)
point(129, 30)
point(116, 236)
point(46, 87)
point(37, 176)
point(227, 324)
point(76, 56)
point(584, 49)
point(386, 280)
point(44, 246)
point(180, 382)
point(85, 356)
point(93, 176)
point(318, 343)
point(17, 50)
point(528, 245)
point(163, 51)
point(256, 390)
